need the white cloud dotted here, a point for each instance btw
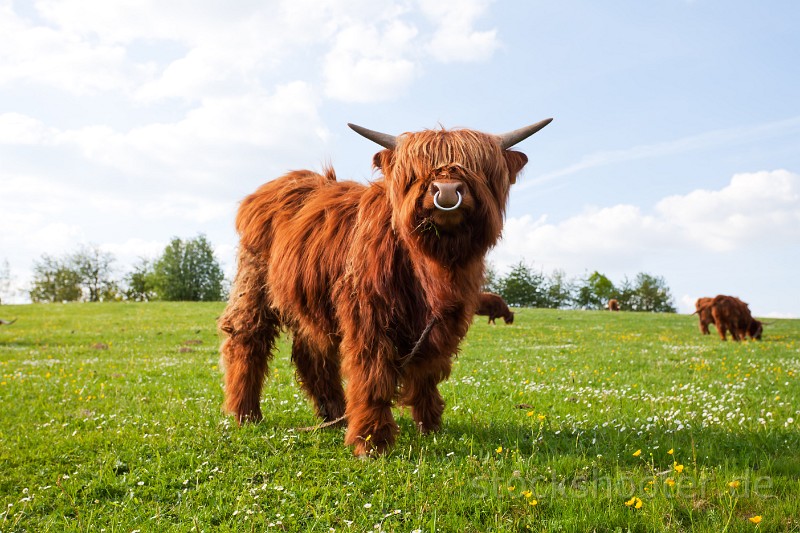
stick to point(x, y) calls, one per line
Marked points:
point(86, 46)
point(16, 128)
point(361, 51)
point(200, 147)
point(37, 53)
point(687, 303)
point(131, 250)
point(31, 203)
point(191, 208)
point(455, 39)
point(368, 63)
point(756, 210)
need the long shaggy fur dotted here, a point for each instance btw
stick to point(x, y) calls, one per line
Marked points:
point(357, 272)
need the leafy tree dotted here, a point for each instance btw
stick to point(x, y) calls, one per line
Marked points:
point(54, 280)
point(188, 271)
point(83, 275)
point(558, 290)
point(522, 287)
point(140, 282)
point(94, 267)
point(626, 294)
point(651, 293)
point(490, 279)
point(595, 291)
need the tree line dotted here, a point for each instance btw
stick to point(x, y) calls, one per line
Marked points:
point(525, 287)
point(187, 270)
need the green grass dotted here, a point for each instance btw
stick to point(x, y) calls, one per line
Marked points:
point(111, 422)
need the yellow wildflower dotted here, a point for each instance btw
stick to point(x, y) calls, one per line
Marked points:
point(637, 453)
point(511, 488)
point(541, 417)
point(734, 484)
point(669, 481)
point(634, 502)
point(755, 519)
point(499, 449)
point(678, 468)
point(530, 413)
point(533, 503)
point(527, 493)
point(671, 451)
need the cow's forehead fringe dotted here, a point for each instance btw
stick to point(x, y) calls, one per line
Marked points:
point(469, 148)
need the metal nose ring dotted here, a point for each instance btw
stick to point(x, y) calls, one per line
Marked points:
point(436, 202)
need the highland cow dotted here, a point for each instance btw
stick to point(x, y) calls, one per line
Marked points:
point(376, 282)
point(494, 306)
point(703, 311)
point(732, 315)
point(613, 305)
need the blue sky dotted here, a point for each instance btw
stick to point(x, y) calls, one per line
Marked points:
point(675, 148)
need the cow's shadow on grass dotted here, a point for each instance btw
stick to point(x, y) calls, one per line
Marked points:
point(771, 451)
point(767, 451)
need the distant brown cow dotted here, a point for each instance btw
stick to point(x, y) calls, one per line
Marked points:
point(613, 305)
point(494, 306)
point(732, 315)
point(703, 311)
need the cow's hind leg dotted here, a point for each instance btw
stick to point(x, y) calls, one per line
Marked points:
point(251, 328)
point(245, 364)
point(721, 329)
point(319, 376)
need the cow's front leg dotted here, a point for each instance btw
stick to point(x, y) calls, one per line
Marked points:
point(420, 392)
point(427, 405)
point(371, 386)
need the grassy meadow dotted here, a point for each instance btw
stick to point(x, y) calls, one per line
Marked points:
point(564, 421)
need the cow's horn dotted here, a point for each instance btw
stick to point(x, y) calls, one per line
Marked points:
point(507, 140)
point(384, 139)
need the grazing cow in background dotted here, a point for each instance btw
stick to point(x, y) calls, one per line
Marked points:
point(747, 325)
point(377, 283)
point(613, 305)
point(703, 311)
point(732, 315)
point(494, 306)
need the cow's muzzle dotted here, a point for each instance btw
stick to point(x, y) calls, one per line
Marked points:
point(447, 195)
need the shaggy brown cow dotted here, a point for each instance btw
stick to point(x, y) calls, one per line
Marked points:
point(703, 311)
point(613, 305)
point(494, 306)
point(377, 283)
point(732, 315)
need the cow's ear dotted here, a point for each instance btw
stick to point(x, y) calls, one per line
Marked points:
point(515, 161)
point(381, 160)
